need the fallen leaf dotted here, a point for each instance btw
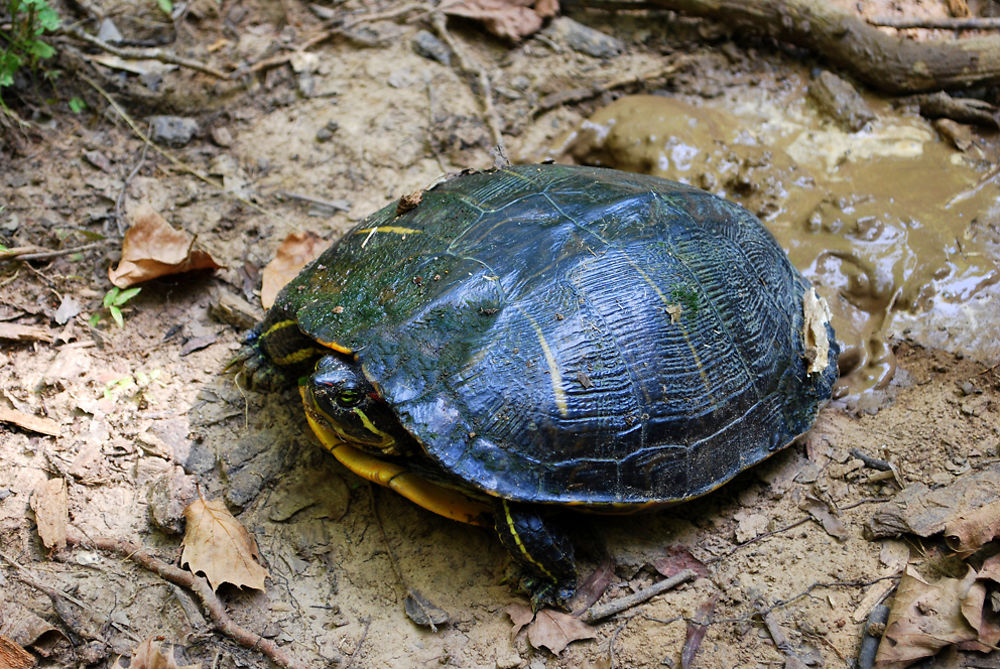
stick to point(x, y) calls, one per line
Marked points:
point(520, 614)
point(556, 630)
point(593, 586)
point(51, 506)
point(12, 656)
point(27, 421)
point(676, 559)
point(917, 509)
point(822, 513)
point(152, 248)
point(148, 655)
point(979, 607)
point(298, 249)
point(217, 545)
point(510, 19)
point(969, 531)
point(925, 617)
point(696, 629)
point(421, 611)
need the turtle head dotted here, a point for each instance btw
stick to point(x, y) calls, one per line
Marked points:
point(341, 399)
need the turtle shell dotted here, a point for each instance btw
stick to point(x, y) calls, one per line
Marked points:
point(573, 335)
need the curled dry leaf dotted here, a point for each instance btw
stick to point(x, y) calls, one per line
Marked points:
point(217, 545)
point(510, 19)
point(152, 248)
point(298, 249)
point(51, 506)
point(423, 612)
point(555, 630)
point(925, 617)
point(148, 655)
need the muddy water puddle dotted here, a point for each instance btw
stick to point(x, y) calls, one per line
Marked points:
point(898, 230)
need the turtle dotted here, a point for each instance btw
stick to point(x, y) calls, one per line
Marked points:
point(511, 343)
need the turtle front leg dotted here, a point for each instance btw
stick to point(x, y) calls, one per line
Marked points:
point(543, 551)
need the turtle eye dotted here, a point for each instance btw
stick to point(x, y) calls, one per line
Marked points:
point(348, 397)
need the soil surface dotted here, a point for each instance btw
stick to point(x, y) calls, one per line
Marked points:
point(144, 417)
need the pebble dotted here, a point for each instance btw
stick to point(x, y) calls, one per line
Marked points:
point(175, 131)
point(429, 46)
point(326, 132)
point(838, 99)
point(584, 38)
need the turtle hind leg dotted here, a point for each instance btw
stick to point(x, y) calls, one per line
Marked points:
point(544, 552)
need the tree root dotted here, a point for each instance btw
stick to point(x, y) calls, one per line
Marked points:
point(886, 62)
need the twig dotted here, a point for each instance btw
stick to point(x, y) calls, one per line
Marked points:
point(354, 653)
point(200, 587)
point(485, 90)
point(144, 54)
point(870, 461)
point(29, 253)
point(950, 23)
point(596, 613)
point(614, 639)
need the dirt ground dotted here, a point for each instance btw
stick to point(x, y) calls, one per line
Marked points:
point(145, 414)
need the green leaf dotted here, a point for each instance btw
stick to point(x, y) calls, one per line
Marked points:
point(109, 297)
point(76, 105)
point(94, 320)
point(47, 19)
point(41, 50)
point(166, 6)
point(126, 295)
point(116, 314)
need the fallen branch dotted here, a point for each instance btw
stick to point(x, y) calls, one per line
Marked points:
point(200, 587)
point(886, 62)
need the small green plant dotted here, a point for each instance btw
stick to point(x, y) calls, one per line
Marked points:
point(166, 6)
point(114, 299)
point(23, 24)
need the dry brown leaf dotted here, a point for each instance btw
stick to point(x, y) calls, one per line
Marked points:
point(676, 559)
point(978, 607)
point(298, 249)
point(510, 19)
point(51, 506)
point(217, 545)
point(30, 422)
point(148, 655)
point(696, 629)
point(520, 615)
point(919, 510)
point(822, 513)
point(12, 656)
point(152, 248)
point(968, 532)
point(556, 630)
point(925, 617)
